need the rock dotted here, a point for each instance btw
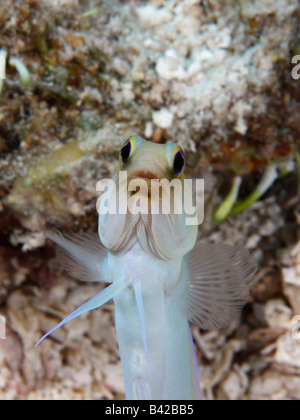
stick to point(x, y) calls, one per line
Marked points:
point(170, 66)
point(235, 384)
point(254, 8)
point(114, 377)
point(151, 16)
point(278, 314)
point(268, 386)
point(288, 350)
point(163, 118)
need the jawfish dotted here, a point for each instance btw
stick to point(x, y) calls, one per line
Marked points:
point(159, 276)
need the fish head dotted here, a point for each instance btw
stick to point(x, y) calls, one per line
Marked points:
point(150, 185)
point(144, 159)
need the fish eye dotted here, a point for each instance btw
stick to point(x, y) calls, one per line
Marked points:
point(178, 162)
point(126, 151)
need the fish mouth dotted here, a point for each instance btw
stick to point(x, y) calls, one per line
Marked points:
point(151, 173)
point(148, 171)
point(147, 175)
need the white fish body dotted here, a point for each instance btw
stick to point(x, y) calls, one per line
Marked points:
point(159, 280)
point(167, 331)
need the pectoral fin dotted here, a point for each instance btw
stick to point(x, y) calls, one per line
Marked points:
point(109, 293)
point(217, 280)
point(83, 255)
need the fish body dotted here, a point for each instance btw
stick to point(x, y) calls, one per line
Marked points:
point(159, 278)
point(167, 333)
point(158, 366)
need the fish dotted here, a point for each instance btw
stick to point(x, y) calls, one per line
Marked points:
point(160, 276)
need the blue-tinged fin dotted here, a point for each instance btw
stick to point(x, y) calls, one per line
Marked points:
point(141, 389)
point(217, 280)
point(195, 376)
point(140, 307)
point(83, 255)
point(109, 293)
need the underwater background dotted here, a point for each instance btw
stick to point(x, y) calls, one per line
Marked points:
point(218, 77)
